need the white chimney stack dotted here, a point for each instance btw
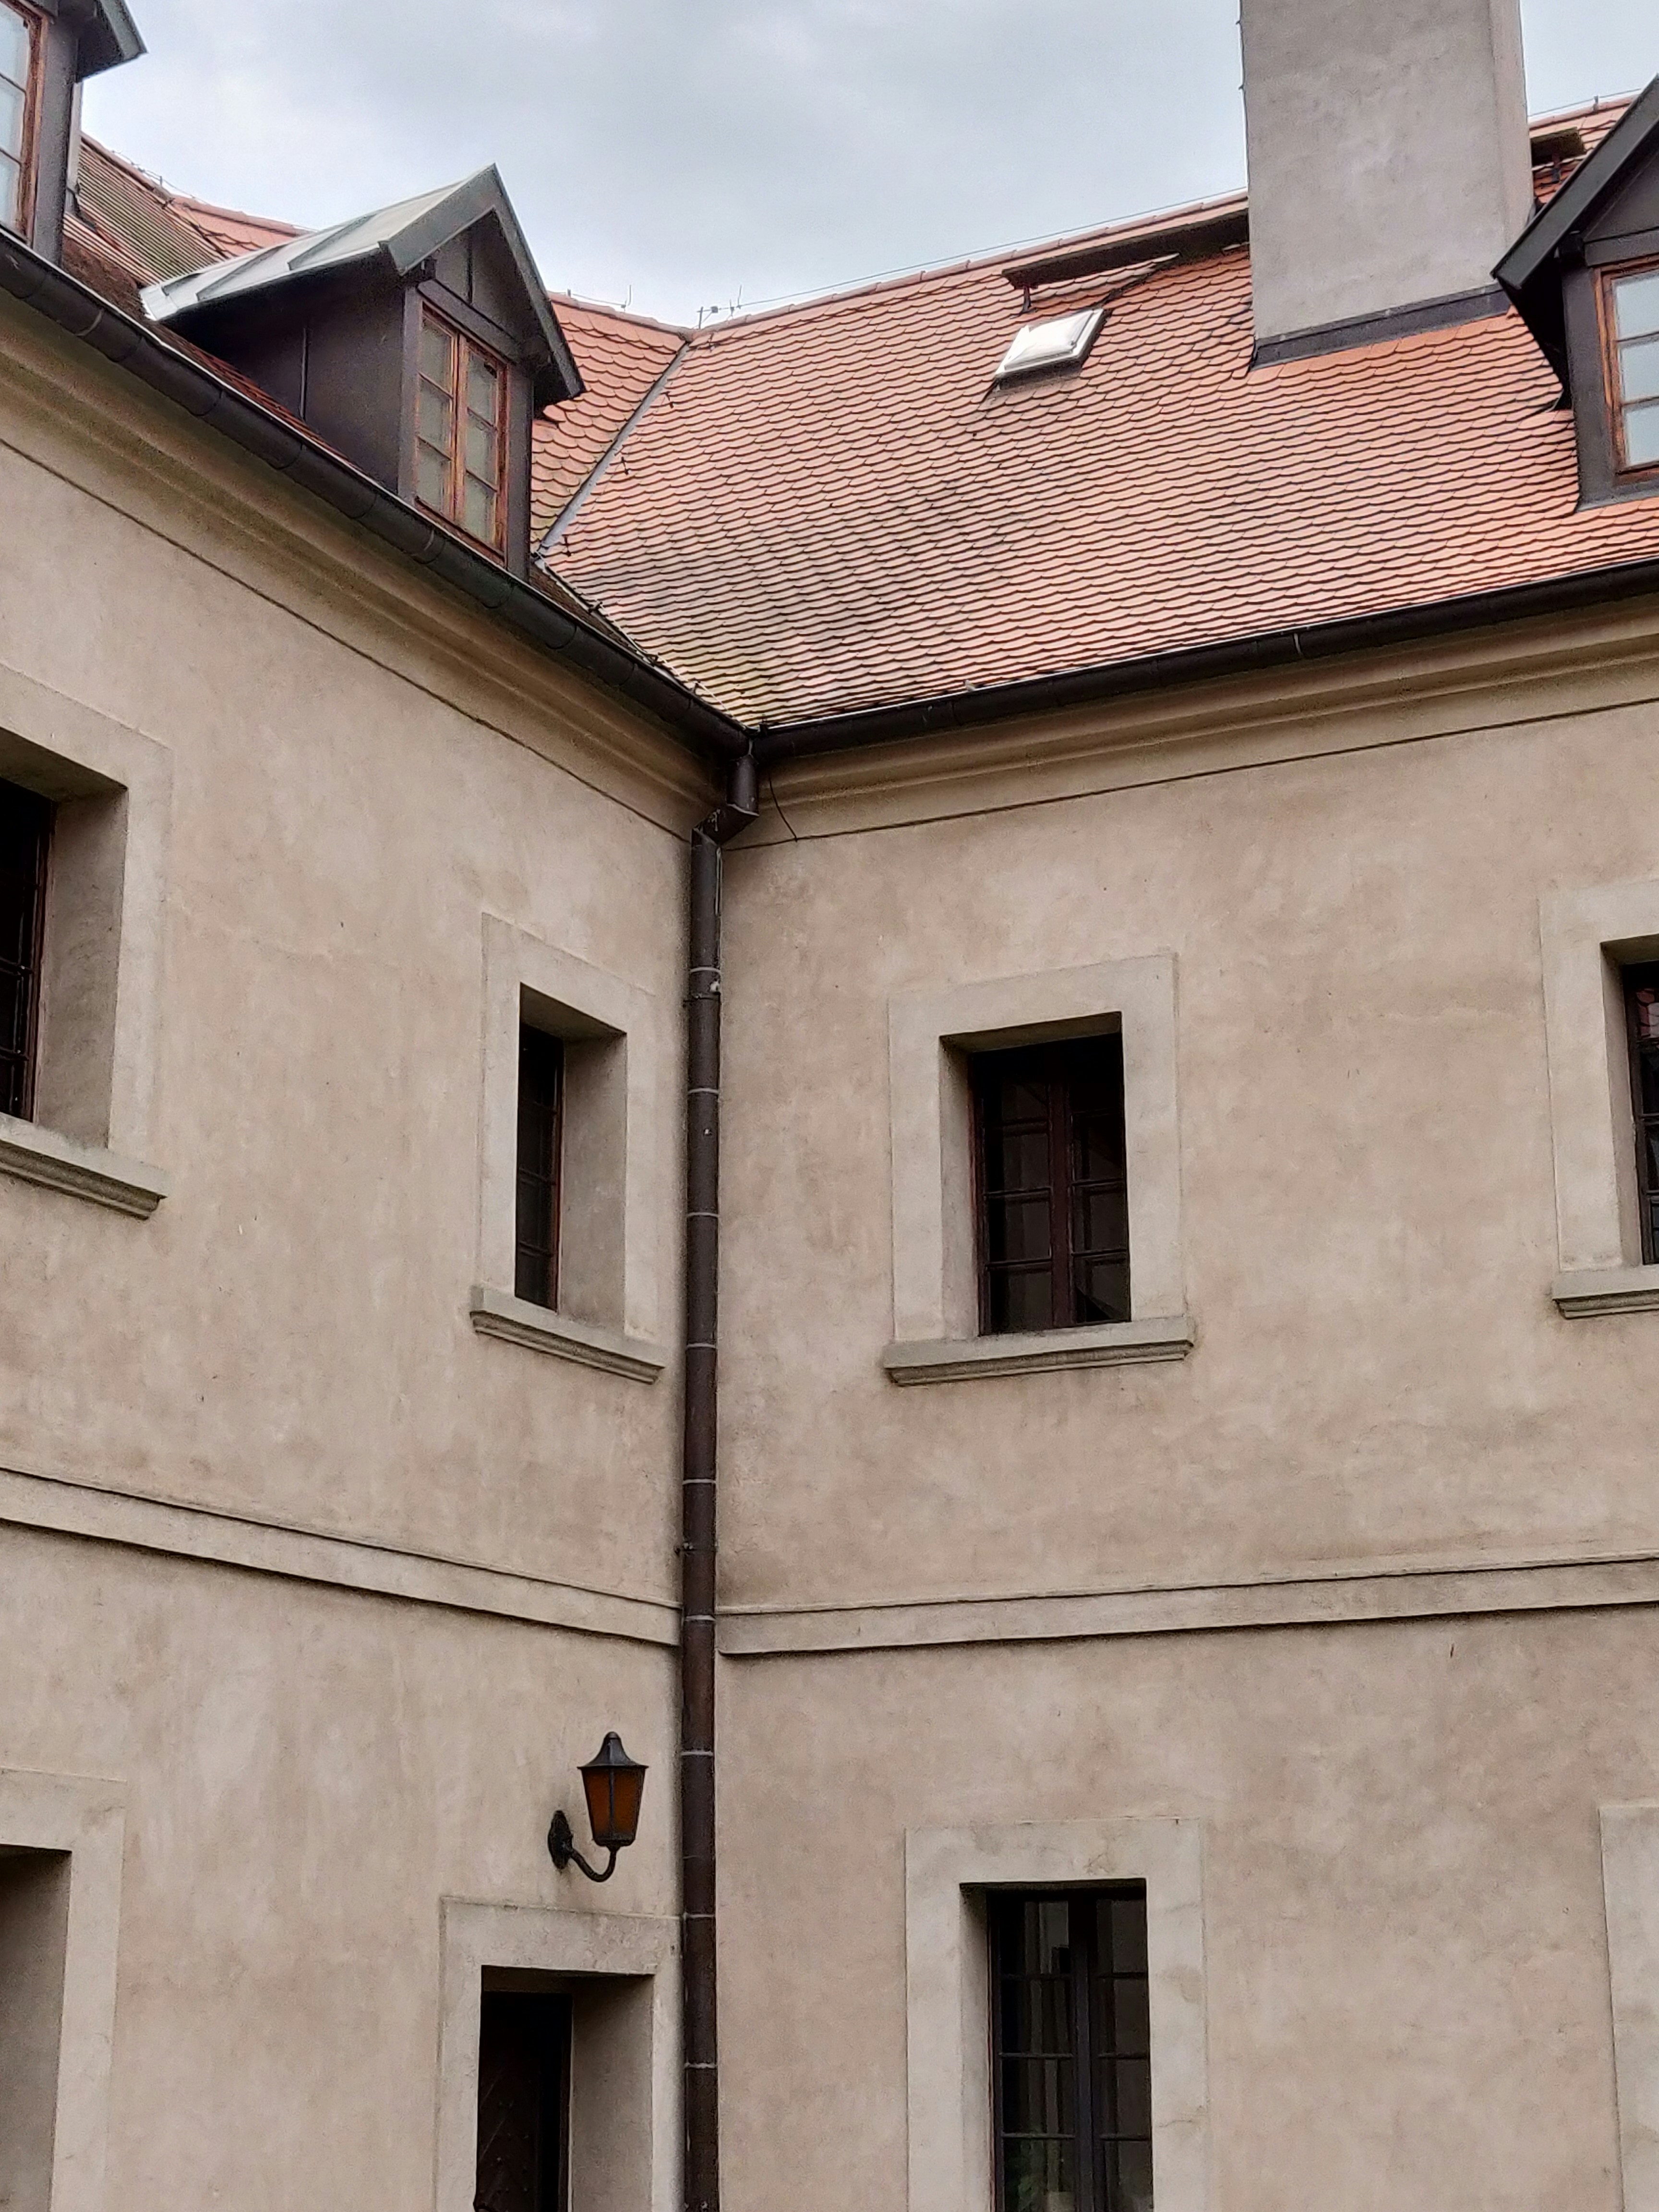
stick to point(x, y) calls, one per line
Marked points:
point(1389, 162)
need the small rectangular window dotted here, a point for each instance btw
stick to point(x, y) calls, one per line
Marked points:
point(541, 1118)
point(1054, 1203)
point(1631, 312)
point(460, 432)
point(25, 836)
point(19, 38)
point(1642, 1005)
point(1070, 2035)
point(524, 2095)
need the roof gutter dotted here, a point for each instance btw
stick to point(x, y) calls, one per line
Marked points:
point(532, 614)
point(1268, 651)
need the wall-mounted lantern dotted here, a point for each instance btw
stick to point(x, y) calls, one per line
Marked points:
point(613, 1785)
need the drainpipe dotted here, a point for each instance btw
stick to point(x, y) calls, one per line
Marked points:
point(698, 1493)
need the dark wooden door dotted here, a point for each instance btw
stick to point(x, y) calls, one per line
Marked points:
point(524, 2070)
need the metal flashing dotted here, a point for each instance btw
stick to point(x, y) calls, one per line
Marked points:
point(1377, 329)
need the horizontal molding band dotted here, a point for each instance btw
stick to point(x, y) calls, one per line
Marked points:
point(269, 1547)
point(1588, 1292)
point(1109, 1344)
point(1314, 1600)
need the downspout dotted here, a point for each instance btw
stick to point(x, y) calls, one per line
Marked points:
point(698, 1489)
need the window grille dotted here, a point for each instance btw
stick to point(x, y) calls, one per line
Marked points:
point(25, 835)
point(541, 1114)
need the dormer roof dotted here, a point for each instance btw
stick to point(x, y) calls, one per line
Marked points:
point(107, 36)
point(1531, 272)
point(400, 238)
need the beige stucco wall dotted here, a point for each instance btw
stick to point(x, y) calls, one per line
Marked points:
point(1407, 1962)
point(333, 1592)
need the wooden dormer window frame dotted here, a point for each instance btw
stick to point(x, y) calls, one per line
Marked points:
point(1630, 357)
point(20, 102)
point(462, 404)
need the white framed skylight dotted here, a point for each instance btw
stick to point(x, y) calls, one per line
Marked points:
point(1061, 343)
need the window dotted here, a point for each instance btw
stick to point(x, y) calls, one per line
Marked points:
point(1054, 1186)
point(1073, 2082)
point(1642, 1008)
point(25, 833)
point(1631, 318)
point(460, 430)
point(523, 2090)
point(1061, 343)
point(541, 1103)
point(17, 38)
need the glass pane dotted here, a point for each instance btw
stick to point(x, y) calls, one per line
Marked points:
point(1022, 1299)
point(478, 511)
point(1130, 2177)
point(1039, 2097)
point(1123, 1939)
point(432, 478)
point(1647, 1078)
point(484, 387)
point(1102, 1290)
point(13, 108)
point(1131, 2029)
point(1642, 435)
point(483, 449)
point(437, 354)
point(435, 419)
point(1646, 999)
point(1651, 1157)
point(1638, 370)
point(11, 194)
point(1017, 1159)
point(1129, 2097)
point(1636, 305)
point(1101, 1221)
point(1018, 1228)
point(1097, 1149)
point(1039, 2177)
point(1036, 2015)
point(14, 47)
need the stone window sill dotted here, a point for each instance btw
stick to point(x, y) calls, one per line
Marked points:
point(1591, 1291)
point(1115, 1344)
point(515, 1321)
point(38, 1156)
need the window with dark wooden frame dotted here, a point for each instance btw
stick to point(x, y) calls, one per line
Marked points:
point(1072, 2049)
point(25, 839)
point(460, 432)
point(1642, 1010)
point(541, 1144)
point(1630, 324)
point(20, 46)
point(1052, 1186)
point(524, 2101)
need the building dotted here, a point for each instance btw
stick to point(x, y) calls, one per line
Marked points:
point(1150, 746)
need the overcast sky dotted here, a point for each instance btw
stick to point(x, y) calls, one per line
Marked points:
point(684, 154)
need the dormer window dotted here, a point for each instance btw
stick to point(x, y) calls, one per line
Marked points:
point(19, 39)
point(460, 429)
point(1631, 311)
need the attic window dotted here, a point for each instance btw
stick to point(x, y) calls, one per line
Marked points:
point(17, 39)
point(1061, 343)
point(1631, 320)
point(460, 430)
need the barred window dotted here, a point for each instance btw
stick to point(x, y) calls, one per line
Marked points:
point(25, 836)
point(1642, 1004)
point(541, 1118)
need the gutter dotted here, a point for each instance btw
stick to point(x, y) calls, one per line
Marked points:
point(699, 1491)
point(122, 340)
point(1268, 650)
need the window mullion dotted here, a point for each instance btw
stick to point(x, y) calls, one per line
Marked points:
point(1061, 1296)
point(1091, 2195)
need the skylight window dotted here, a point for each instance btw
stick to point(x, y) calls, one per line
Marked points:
point(1061, 343)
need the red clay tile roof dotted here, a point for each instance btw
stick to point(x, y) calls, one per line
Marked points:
point(833, 508)
point(621, 356)
point(229, 230)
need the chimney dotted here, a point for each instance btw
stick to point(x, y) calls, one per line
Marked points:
point(1390, 161)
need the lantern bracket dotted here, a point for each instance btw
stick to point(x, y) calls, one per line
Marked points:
point(562, 1849)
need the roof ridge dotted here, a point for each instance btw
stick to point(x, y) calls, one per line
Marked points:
point(614, 314)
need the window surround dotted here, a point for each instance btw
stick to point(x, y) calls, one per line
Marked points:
point(101, 982)
point(83, 1821)
point(947, 1872)
point(931, 1036)
point(1629, 475)
point(618, 1061)
point(622, 1971)
point(1629, 1881)
point(1587, 936)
